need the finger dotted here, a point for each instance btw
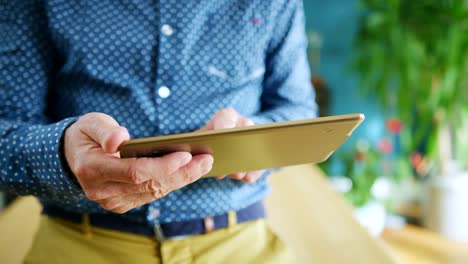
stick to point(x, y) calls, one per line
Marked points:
point(116, 189)
point(104, 130)
point(159, 186)
point(189, 173)
point(243, 121)
point(115, 140)
point(125, 203)
point(220, 177)
point(237, 176)
point(196, 168)
point(137, 170)
point(253, 176)
point(225, 118)
point(172, 171)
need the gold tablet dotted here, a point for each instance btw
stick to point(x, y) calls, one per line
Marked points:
point(255, 147)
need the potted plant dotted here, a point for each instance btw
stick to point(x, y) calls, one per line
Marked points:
point(370, 171)
point(413, 57)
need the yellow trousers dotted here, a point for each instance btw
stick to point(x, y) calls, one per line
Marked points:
point(59, 241)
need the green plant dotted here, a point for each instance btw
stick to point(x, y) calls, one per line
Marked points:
point(362, 169)
point(413, 56)
point(364, 163)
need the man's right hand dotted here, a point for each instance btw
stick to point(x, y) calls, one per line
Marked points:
point(91, 150)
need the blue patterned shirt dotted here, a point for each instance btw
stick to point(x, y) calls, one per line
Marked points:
point(157, 67)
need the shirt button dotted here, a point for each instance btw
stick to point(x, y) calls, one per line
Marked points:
point(167, 30)
point(164, 92)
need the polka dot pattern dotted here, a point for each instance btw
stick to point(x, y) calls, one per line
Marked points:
point(158, 68)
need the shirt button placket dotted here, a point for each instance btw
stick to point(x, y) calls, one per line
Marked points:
point(163, 88)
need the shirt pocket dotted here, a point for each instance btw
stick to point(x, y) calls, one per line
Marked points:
point(10, 38)
point(233, 80)
point(233, 63)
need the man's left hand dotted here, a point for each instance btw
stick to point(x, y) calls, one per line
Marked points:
point(230, 118)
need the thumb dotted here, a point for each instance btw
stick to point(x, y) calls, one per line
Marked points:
point(105, 131)
point(114, 139)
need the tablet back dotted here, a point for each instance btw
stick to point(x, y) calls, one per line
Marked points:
point(255, 147)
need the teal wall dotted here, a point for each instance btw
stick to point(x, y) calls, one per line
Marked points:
point(336, 21)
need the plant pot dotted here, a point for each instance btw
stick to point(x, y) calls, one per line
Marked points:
point(372, 216)
point(445, 206)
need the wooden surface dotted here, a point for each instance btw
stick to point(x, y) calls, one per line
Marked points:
point(416, 245)
point(317, 223)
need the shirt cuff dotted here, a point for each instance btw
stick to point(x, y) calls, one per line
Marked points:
point(43, 148)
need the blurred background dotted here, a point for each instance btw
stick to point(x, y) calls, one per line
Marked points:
point(404, 64)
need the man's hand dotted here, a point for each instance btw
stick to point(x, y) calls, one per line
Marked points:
point(118, 185)
point(230, 118)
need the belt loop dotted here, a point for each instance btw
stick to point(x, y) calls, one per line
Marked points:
point(232, 218)
point(209, 224)
point(86, 225)
point(158, 233)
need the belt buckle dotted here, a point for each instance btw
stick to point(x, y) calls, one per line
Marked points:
point(158, 232)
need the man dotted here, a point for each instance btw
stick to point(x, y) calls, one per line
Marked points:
point(77, 78)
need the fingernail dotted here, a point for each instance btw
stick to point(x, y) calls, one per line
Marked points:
point(231, 125)
point(125, 131)
point(224, 125)
point(207, 164)
point(185, 158)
